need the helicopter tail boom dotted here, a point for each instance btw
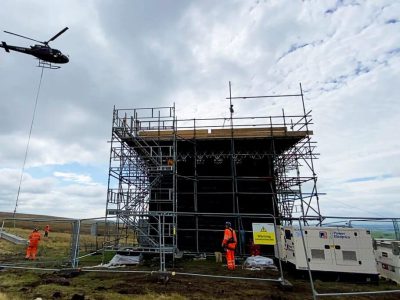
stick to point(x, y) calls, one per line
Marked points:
point(5, 46)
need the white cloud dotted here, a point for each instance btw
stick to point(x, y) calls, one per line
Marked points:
point(147, 54)
point(64, 194)
point(78, 178)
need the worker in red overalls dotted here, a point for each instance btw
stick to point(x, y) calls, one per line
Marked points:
point(254, 249)
point(34, 239)
point(229, 244)
point(46, 231)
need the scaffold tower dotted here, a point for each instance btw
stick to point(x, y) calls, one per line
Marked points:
point(140, 170)
point(172, 180)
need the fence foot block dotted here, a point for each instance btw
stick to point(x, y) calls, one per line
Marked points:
point(286, 285)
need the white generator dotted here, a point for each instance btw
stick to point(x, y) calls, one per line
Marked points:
point(387, 255)
point(329, 249)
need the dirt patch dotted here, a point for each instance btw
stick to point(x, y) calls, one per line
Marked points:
point(56, 280)
point(203, 288)
point(107, 285)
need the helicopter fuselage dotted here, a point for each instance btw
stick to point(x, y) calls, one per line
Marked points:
point(44, 53)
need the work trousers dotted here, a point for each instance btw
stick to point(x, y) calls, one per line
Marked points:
point(31, 251)
point(230, 259)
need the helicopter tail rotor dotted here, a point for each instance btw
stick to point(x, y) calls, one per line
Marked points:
point(5, 46)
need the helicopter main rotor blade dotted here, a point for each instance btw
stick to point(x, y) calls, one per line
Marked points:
point(57, 35)
point(25, 37)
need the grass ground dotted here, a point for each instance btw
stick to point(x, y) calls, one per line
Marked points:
point(109, 284)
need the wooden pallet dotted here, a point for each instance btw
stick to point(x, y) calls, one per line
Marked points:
point(254, 132)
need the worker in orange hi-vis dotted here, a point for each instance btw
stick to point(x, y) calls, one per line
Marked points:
point(46, 231)
point(34, 239)
point(229, 244)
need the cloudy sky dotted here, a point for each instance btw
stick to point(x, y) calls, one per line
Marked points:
point(132, 54)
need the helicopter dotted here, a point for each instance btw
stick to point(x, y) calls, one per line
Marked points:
point(44, 52)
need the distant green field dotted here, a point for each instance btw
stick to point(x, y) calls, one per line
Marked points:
point(383, 235)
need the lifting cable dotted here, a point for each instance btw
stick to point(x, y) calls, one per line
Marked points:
point(27, 145)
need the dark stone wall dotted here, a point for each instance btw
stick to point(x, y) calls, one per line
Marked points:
point(211, 190)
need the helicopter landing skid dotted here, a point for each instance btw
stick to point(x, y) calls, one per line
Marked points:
point(47, 65)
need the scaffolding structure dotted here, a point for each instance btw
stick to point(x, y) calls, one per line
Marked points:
point(166, 174)
point(136, 168)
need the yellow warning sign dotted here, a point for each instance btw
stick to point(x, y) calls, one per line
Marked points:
point(264, 233)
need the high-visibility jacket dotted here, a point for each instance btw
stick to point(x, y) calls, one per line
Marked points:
point(34, 238)
point(230, 239)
